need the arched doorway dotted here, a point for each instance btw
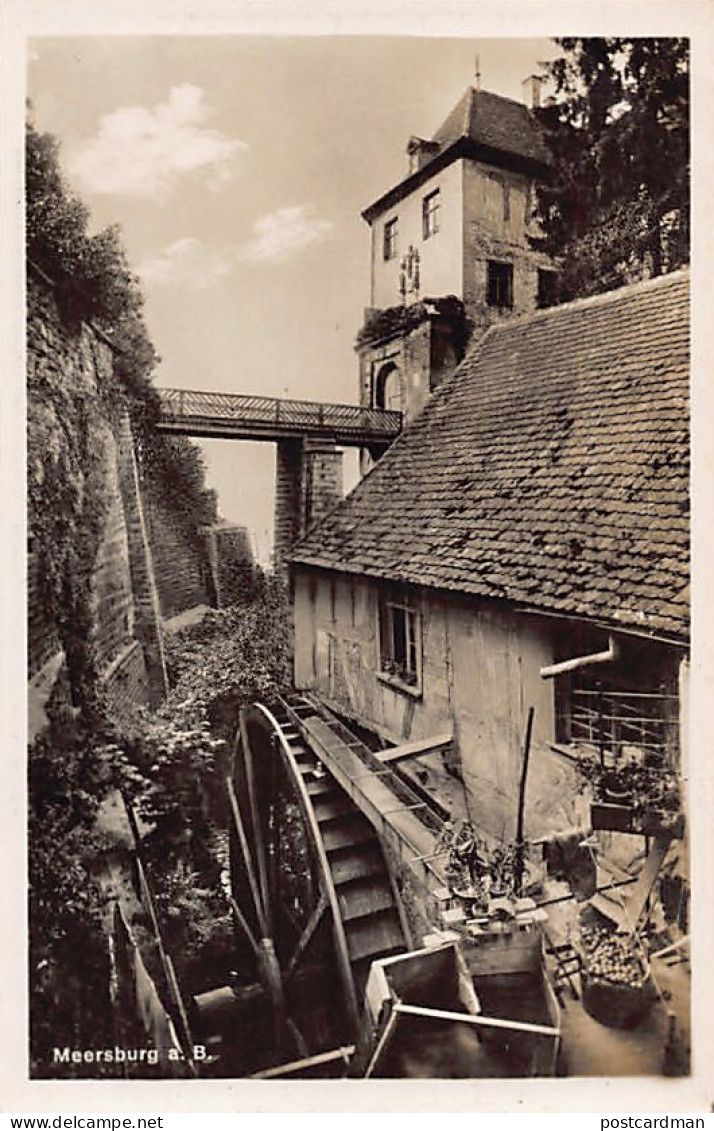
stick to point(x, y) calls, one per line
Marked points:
point(387, 388)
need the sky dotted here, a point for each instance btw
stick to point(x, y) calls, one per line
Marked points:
point(237, 168)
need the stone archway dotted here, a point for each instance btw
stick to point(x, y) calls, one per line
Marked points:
point(388, 388)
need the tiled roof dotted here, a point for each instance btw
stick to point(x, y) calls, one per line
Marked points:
point(551, 469)
point(496, 122)
point(481, 125)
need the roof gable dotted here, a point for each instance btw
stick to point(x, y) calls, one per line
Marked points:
point(551, 469)
point(482, 126)
point(495, 122)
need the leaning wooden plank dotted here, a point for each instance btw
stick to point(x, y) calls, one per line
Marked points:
point(431, 745)
point(476, 1019)
point(382, 1045)
point(344, 1053)
point(627, 914)
point(637, 901)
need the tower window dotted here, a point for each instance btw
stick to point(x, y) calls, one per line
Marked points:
point(499, 290)
point(546, 288)
point(389, 247)
point(430, 214)
point(506, 190)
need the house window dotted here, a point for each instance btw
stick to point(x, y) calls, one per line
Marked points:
point(499, 290)
point(399, 639)
point(430, 214)
point(389, 247)
point(546, 289)
point(624, 711)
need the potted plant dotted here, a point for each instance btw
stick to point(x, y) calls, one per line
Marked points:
point(638, 797)
point(465, 863)
point(502, 867)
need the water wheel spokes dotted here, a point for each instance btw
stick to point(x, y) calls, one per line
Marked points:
point(283, 900)
point(258, 838)
point(303, 942)
point(315, 899)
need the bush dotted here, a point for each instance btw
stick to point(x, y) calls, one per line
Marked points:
point(71, 768)
point(181, 754)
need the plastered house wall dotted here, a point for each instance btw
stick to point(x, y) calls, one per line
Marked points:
point(440, 266)
point(480, 674)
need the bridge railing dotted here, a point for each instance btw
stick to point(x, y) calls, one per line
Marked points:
point(271, 411)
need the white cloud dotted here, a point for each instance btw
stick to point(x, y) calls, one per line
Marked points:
point(279, 235)
point(186, 264)
point(139, 151)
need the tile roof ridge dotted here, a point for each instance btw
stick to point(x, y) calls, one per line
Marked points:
point(500, 97)
point(604, 298)
point(468, 111)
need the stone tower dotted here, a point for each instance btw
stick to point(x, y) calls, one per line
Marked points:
point(451, 250)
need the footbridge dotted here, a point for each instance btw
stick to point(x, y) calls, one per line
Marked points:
point(240, 416)
point(308, 436)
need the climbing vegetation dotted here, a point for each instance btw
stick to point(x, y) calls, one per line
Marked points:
point(89, 360)
point(73, 395)
point(381, 325)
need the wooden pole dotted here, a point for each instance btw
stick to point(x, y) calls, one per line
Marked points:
point(520, 847)
point(345, 1053)
point(247, 860)
point(476, 1019)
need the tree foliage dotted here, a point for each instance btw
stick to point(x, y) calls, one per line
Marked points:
point(92, 278)
point(617, 205)
point(71, 767)
point(242, 652)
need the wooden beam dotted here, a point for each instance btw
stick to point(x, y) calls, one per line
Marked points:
point(265, 912)
point(476, 1019)
point(306, 936)
point(246, 929)
point(520, 847)
point(345, 1053)
point(627, 916)
point(382, 1044)
point(247, 859)
point(432, 745)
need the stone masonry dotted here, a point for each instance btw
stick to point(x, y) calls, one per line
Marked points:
point(308, 484)
point(146, 598)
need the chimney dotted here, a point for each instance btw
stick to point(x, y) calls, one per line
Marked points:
point(531, 88)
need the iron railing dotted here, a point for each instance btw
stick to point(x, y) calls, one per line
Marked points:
point(282, 415)
point(612, 721)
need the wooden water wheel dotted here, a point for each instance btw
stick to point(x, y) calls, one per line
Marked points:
point(313, 895)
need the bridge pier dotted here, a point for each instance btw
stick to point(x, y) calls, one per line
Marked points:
point(308, 483)
point(306, 433)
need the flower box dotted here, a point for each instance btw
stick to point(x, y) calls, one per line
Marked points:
point(625, 819)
